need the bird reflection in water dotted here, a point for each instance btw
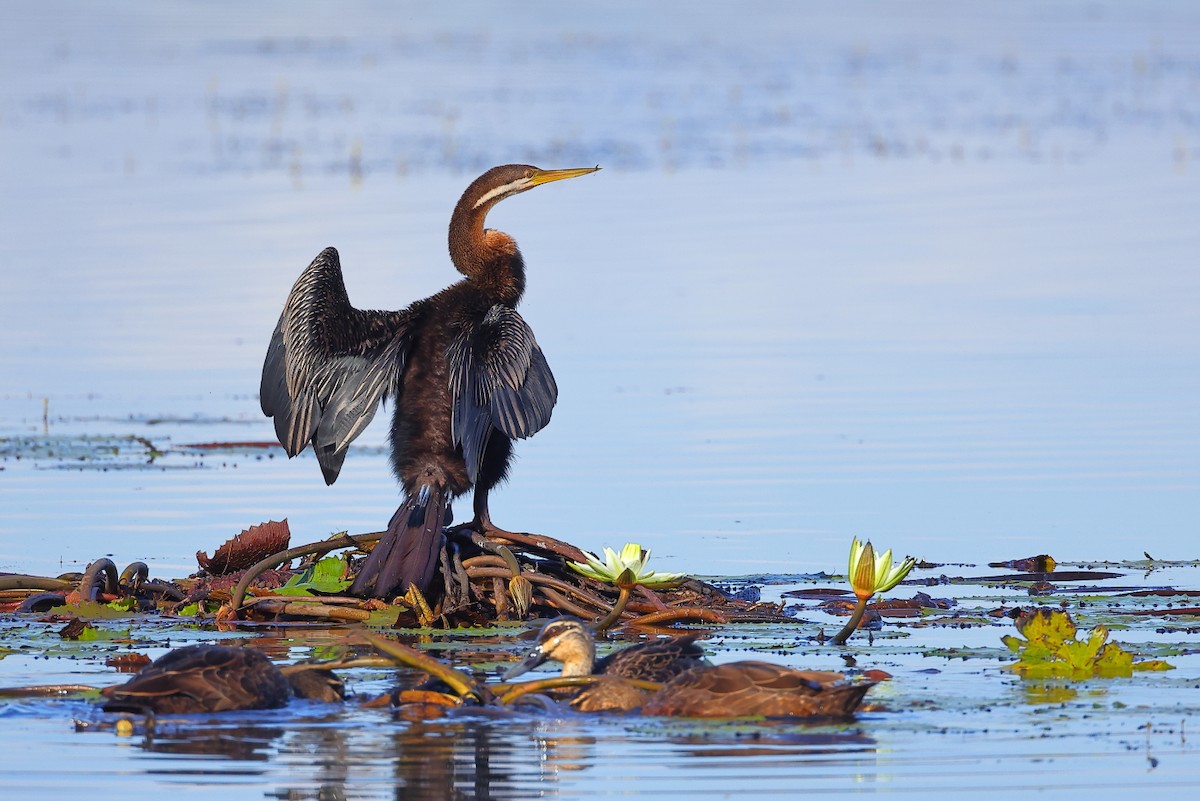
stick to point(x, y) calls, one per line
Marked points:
point(334, 752)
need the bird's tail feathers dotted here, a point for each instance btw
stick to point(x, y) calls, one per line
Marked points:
point(409, 552)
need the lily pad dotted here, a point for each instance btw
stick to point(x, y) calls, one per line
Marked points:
point(327, 577)
point(1052, 648)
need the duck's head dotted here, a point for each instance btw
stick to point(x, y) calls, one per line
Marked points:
point(565, 639)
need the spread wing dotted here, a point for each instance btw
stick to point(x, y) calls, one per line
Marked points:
point(329, 365)
point(499, 380)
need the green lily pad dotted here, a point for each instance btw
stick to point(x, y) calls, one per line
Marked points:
point(1051, 649)
point(325, 577)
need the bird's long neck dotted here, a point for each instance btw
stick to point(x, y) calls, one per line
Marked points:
point(487, 257)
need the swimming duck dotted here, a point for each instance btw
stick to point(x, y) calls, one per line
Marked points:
point(569, 641)
point(216, 678)
point(690, 688)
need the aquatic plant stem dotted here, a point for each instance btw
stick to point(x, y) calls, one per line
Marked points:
point(843, 635)
point(23, 582)
point(274, 560)
point(615, 613)
point(101, 567)
point(460, 682)
point(678, 614)
point(511, 692)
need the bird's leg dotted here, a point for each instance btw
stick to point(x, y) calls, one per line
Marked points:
point(482, 524)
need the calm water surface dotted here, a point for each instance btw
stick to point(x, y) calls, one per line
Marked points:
point(927, 278)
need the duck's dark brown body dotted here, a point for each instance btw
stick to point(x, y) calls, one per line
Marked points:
point(463, 368)
point(202, 678)
point(656, 660)
point(754, 689)
point(690, 686)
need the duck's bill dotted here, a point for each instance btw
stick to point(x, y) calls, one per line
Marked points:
point(535, 658)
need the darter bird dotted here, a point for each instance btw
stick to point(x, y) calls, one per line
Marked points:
point(462, 368)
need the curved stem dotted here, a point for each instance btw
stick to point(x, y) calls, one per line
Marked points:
point(564, 604)
point(135, 575)
point(276, 559)
point(852, 624)
point(615, 613)
point(21, 582)
point(538, 578)
point(460, 682)
point(510, 561)
point(679, 614)
point(511, 692)
point(101, 567)
point(542, 543)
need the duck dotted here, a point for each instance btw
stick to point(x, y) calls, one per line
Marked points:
point(690, 686)
point(217, 678)
point(568, 640)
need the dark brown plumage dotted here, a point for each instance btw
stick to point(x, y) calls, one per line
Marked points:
point(315, 684)
point(691, 688)
point(463, 367)
point(202, 678)
point(753, 689)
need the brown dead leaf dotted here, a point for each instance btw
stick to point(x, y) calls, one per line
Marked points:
point(128, 663)
point(74, 629)
point(248, 548)
point(1179, 610)
point(1042, 563)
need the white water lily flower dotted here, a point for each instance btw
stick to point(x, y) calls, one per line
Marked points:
point(625, 568)
point(870, 574)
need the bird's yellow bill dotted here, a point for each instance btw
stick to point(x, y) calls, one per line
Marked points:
point(546, 176)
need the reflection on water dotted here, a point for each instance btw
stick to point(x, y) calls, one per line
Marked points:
point(358, 756)
point(950, 720)
point(469, 756)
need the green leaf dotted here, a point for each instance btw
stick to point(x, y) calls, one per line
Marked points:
point(1051, 649)
point(324, 577)
point(89, 610)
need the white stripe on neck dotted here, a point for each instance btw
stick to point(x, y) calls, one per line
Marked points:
point(501, 191)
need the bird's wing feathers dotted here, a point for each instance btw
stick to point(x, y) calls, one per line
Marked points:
point(329, 365)
point(499, 380)
point(203, 679)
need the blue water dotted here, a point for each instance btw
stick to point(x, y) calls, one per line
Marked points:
point(923, 275)
point(917, 282)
